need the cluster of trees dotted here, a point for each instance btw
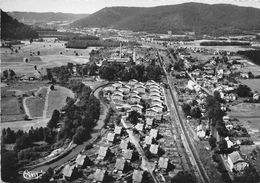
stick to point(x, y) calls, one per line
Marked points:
point(62, 73)
point(192, 109)
point(224, 43)
point(134, 116)
point(215, 114)
point(24, 140)
point(9, 74)
point(142, 73)
point(79, 117)
point(244, 91)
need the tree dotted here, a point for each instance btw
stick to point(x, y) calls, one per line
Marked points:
point(5, 73)
point(23, 142)
point(195, 112)
point(54, 119)
point(212, 142)
point(223, 147)
point(186, 109)
point(49, 135)
point(80, 135)
point(52, 87)
point(217, 96)
point(250, 175)
point(133, 117)
point(9, 166)
point(183, 177)
point(243, 91)
point(49, 74)
point(12, 73)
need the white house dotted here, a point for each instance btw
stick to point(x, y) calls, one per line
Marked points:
point(137, 108)
point(236, 162)
point(158, 108)
point(135, 99)
point(151, 112)
point(140, 89)
point(109, 88)
point(117, 96)
point(125, 88)
point(132, 82)
point(117, 84)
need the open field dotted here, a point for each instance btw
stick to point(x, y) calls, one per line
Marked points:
point(250, 67)
point(12, 109)
point(36, 103)
point(249, 116)
point(51, 55)
point(254, 84)
point(57, 99)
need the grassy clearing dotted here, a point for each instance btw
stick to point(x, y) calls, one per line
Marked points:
point(254, 84)
point(50, 56)
point(57, 99)
point(36, 104)
point(12, 108)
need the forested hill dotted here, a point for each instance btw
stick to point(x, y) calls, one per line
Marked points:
point(12, 29)
point(202, 18)
point(46, 17)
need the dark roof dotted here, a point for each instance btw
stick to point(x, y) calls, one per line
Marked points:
point(138, 176)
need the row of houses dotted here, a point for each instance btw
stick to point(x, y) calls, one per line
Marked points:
point(129, 95)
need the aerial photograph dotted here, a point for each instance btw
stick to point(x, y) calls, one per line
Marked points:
point(130, 91)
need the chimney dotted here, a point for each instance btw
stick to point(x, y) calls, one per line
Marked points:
point(134, 56)
point(120, 50)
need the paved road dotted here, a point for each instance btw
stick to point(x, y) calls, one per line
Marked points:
point(79, 148)
point(148, 166)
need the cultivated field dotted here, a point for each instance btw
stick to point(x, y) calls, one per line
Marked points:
point(249, 116)
point(35, 104)
point(254, 84)
point(57, 99)
point(51, 55)
point(11, 106)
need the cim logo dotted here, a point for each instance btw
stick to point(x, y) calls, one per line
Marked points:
point(32, 175)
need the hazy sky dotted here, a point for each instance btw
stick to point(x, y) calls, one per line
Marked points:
point(91, 6)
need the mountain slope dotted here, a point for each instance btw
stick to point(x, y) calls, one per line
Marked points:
point(32, 17)
point(12, 29)
point(202, 18)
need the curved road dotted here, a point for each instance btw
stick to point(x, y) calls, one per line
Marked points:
point(79, 148)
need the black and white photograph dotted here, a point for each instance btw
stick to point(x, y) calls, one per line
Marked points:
point(130, 91)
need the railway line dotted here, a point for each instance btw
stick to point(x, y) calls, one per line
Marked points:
point(190, 149)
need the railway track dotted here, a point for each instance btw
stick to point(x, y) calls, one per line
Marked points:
point(190, 149)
